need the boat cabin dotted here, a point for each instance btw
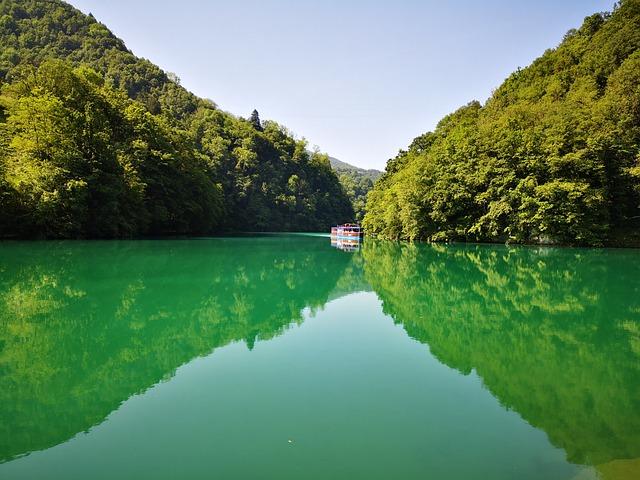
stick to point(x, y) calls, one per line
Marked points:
point(347, 231)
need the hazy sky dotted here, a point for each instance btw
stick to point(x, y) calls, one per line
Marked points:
point(360, 79)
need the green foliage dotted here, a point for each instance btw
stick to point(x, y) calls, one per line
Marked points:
point(551, 157)
point(82, 160)
point(108, 145)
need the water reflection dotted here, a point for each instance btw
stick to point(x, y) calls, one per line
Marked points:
point(347, 245)
point(554, 334)
point(83, 326)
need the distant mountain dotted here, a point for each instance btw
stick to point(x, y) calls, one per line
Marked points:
point(340, 166)
point(357, 182)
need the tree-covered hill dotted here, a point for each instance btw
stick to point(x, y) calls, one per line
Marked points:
point(95, 142)
point(357, 182)
point(552, 156)
point(340, 166)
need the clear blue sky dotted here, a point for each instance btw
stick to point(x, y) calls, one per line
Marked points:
point(358, 78)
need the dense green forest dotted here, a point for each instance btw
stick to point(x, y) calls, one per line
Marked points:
point(357, 182)
point(95, 142)
point(553, 156)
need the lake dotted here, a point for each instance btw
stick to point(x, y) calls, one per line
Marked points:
point(282, 357)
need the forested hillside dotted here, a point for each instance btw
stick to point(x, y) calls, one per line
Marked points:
point(95, 142)
point(357, 182)
point(552, 156)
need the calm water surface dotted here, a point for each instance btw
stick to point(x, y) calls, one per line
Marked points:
point(280, 357)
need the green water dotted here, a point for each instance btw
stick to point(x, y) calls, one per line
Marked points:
point(280, 357)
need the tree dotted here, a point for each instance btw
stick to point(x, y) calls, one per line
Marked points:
point(254, 119)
